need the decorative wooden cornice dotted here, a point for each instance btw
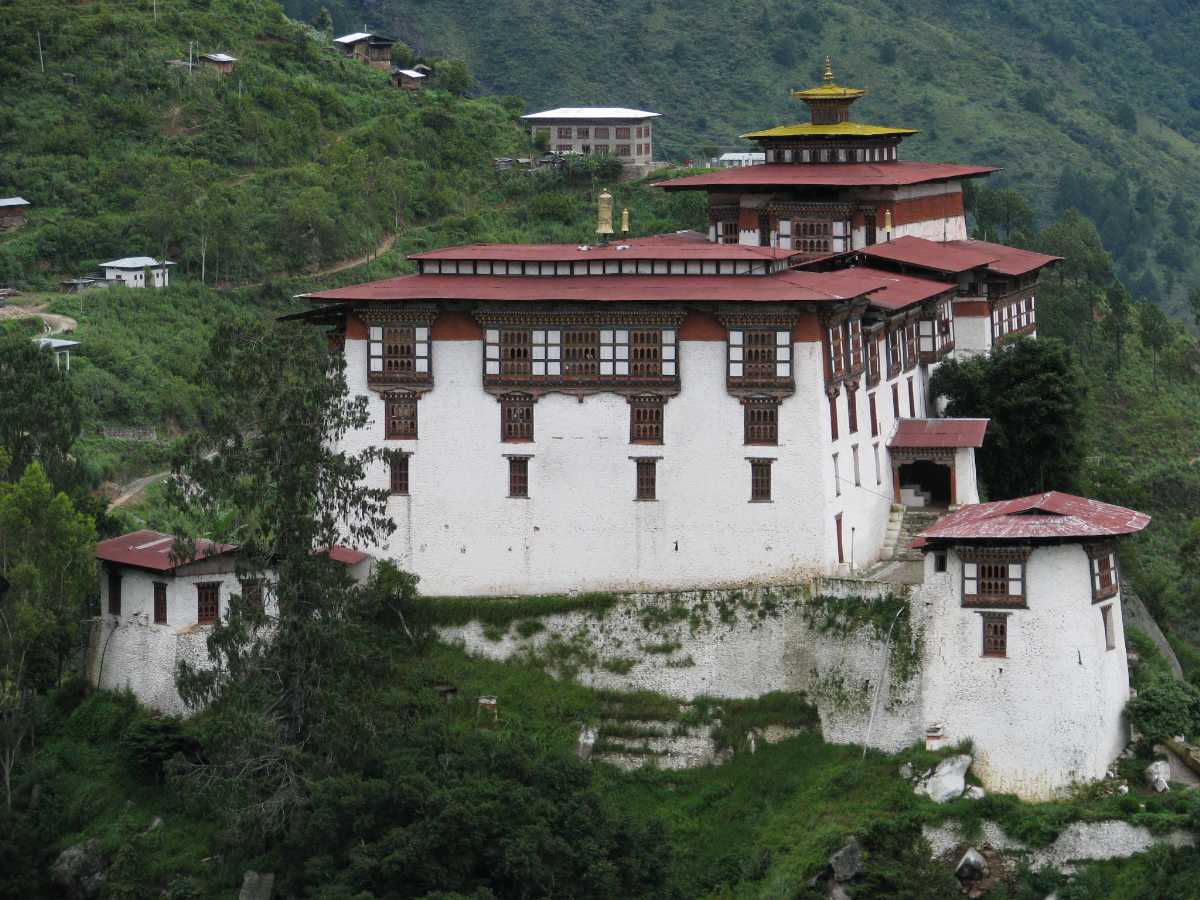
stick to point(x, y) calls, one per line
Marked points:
point(397, 387)
point(992, 554)
point(922, 454)
point(821, 211)
point(420, 314)
point(782, 320)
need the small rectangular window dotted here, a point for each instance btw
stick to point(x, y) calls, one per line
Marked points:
point(518, 476)
point(646, 416)
point(398, 352)
point(252, 593)
point(160, 603)
point(207, 603)
point(939, 562)
point(400, 416)
point(1110, 637)
point(852, 409)
point(988, 582)
point(516, 418)
point(622, 133)
point(995, 634)
point(760, 480)
point(760, 420)
point(912, 406)
point(1105, 581)
point(114, 594)
point(896, 401)
point(647, 487)
point(833, 418)
point(854, 458)
point(874, 415)
point(837, 526)
point(398, 474)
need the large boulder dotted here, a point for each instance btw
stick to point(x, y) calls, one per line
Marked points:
point(1158, 775)
point(949, 779)
point(79, 871)
point(972, 866)
point(847, 863)
point(257, 886)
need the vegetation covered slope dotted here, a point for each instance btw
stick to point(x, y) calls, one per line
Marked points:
point(1088, 104)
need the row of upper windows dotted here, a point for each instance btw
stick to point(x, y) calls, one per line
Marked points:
point(618, 149)
point(645, 477)
point(601, 267)
point(995, 631)
point(208, 599)
point(1016, 316)
point(600, 132)
point(992, 581)
point(850, 349)
point(838, 155)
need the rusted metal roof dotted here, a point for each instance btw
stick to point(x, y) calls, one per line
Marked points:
point(153, 550)
point(1008, 260)
point(784, 286)
point(929, 254)
point(882, 174)
point(925, 433)
point(1041, 517)
point(900, 291)
point(683, 245)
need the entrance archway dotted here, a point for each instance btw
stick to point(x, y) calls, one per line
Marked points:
point(926, 483)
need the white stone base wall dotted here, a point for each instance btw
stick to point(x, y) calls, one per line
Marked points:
point(128, 655)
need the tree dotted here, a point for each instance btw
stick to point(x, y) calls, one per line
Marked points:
point(39, 414)
point(453, 75)
point(323, 21)
point(1156, 330)
point(47, 572)
point(269, 450)
point(1033, 392)
point(1002, 215)
point(1164, 709)
point(1075, 238)
point(1194, 305)
point(1115, 325)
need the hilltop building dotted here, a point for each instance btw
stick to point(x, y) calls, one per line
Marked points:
point(137, 271)
point(751, 407)
point(218, 62)
point(735, 159)
point(12, 212)
point(60, 347)
point(413, 79)
point(373, 49)
point(625, 133)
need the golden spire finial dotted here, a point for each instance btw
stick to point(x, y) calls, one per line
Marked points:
point(604, 217)
point(829, 70)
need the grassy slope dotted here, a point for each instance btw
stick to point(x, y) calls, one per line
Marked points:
point(963, 73)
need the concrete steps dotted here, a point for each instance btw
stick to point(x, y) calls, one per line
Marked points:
point(904, 524)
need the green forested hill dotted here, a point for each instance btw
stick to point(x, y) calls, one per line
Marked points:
point(1087, 103)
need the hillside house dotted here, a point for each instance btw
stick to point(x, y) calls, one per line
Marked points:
point(413, 79)
point(624, 133)
point(60, 347)
point(735, 159)
point(222, 63)
point(156, 609)
point(372, 49)
point(12, 212)
point(137, 272)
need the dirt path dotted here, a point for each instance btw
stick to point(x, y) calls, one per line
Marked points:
point(53, 323)
point(340, 266)
point(135, 489)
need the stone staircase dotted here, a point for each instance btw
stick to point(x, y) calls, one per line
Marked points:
point(904, 524)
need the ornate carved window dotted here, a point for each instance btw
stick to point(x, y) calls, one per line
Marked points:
point(207, 602)
point(518, 476)
point(872, 351)
point(1105, 577)
point(516, 418)
point(760, 480)
point(855, 338)
point(895, 360)
point(646, 415)
point(398, 352)
point(400, 415)
point(760, 356)
point(837, 351)
point(160, 603)
point(910, 345)
point(995, 634)
point(761, 420)
point(579, 354)
point(993, 576)
point(398, 474)
point(647, 481)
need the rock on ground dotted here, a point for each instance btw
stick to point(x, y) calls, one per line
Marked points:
point(79, 870)
point(257, 886)
point(972, 866)
point(949, 779)
point(1158, 775)
point(847, 863)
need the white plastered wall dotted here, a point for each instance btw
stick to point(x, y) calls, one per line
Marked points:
point(1049, 713)
point(580, 528)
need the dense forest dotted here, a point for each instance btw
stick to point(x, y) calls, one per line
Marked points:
point(1093, 105)
point(260, 182)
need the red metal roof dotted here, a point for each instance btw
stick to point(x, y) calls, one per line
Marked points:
point(883, 174)
point(680, 245)
point(1049, 516)
point(347, 556)
point(924, 433)
point(785, 286)
point(929, 254)
point(152, 550)
point(899, 291)
point(1008, 260)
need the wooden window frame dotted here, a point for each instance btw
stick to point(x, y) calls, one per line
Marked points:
point(160, 603)
point(894, 345)
point(399, 352)
point(401, 415)
point(760, 479)
point(580, 354)
point(851, 410)
point(833, 417)
point(254, 592)
point(912, 402)
point(895, 400)
point(759, 355)
point(645, 477)
point(398, 474)
point(854, 346)
point(518, 476)
point(871, 345)
point(1105, 572)
point(647, 419)
point(985, 570)
point(114, 596)
point(994, 627)
point(760, 421)
point(208, 609)
point(1110, 633)
point(874, 415)
point(516, 418)
point(911, 346)
point(836, 348)
point(841, 546)
point(854, 457)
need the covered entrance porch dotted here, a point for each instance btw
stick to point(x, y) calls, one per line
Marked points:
point(933, 462)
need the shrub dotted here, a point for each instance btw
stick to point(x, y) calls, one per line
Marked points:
point(147, 744)
point(1164, 709)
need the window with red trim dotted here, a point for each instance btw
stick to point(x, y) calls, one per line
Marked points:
point(207, 602)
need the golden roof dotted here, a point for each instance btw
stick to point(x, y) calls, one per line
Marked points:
point(839, 129)
point(828, 90)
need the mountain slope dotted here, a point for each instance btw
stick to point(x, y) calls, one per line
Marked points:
point(1102, 90)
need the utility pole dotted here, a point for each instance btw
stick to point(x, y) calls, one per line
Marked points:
point(41, 59)
point(190, 59)
point(155, 12)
